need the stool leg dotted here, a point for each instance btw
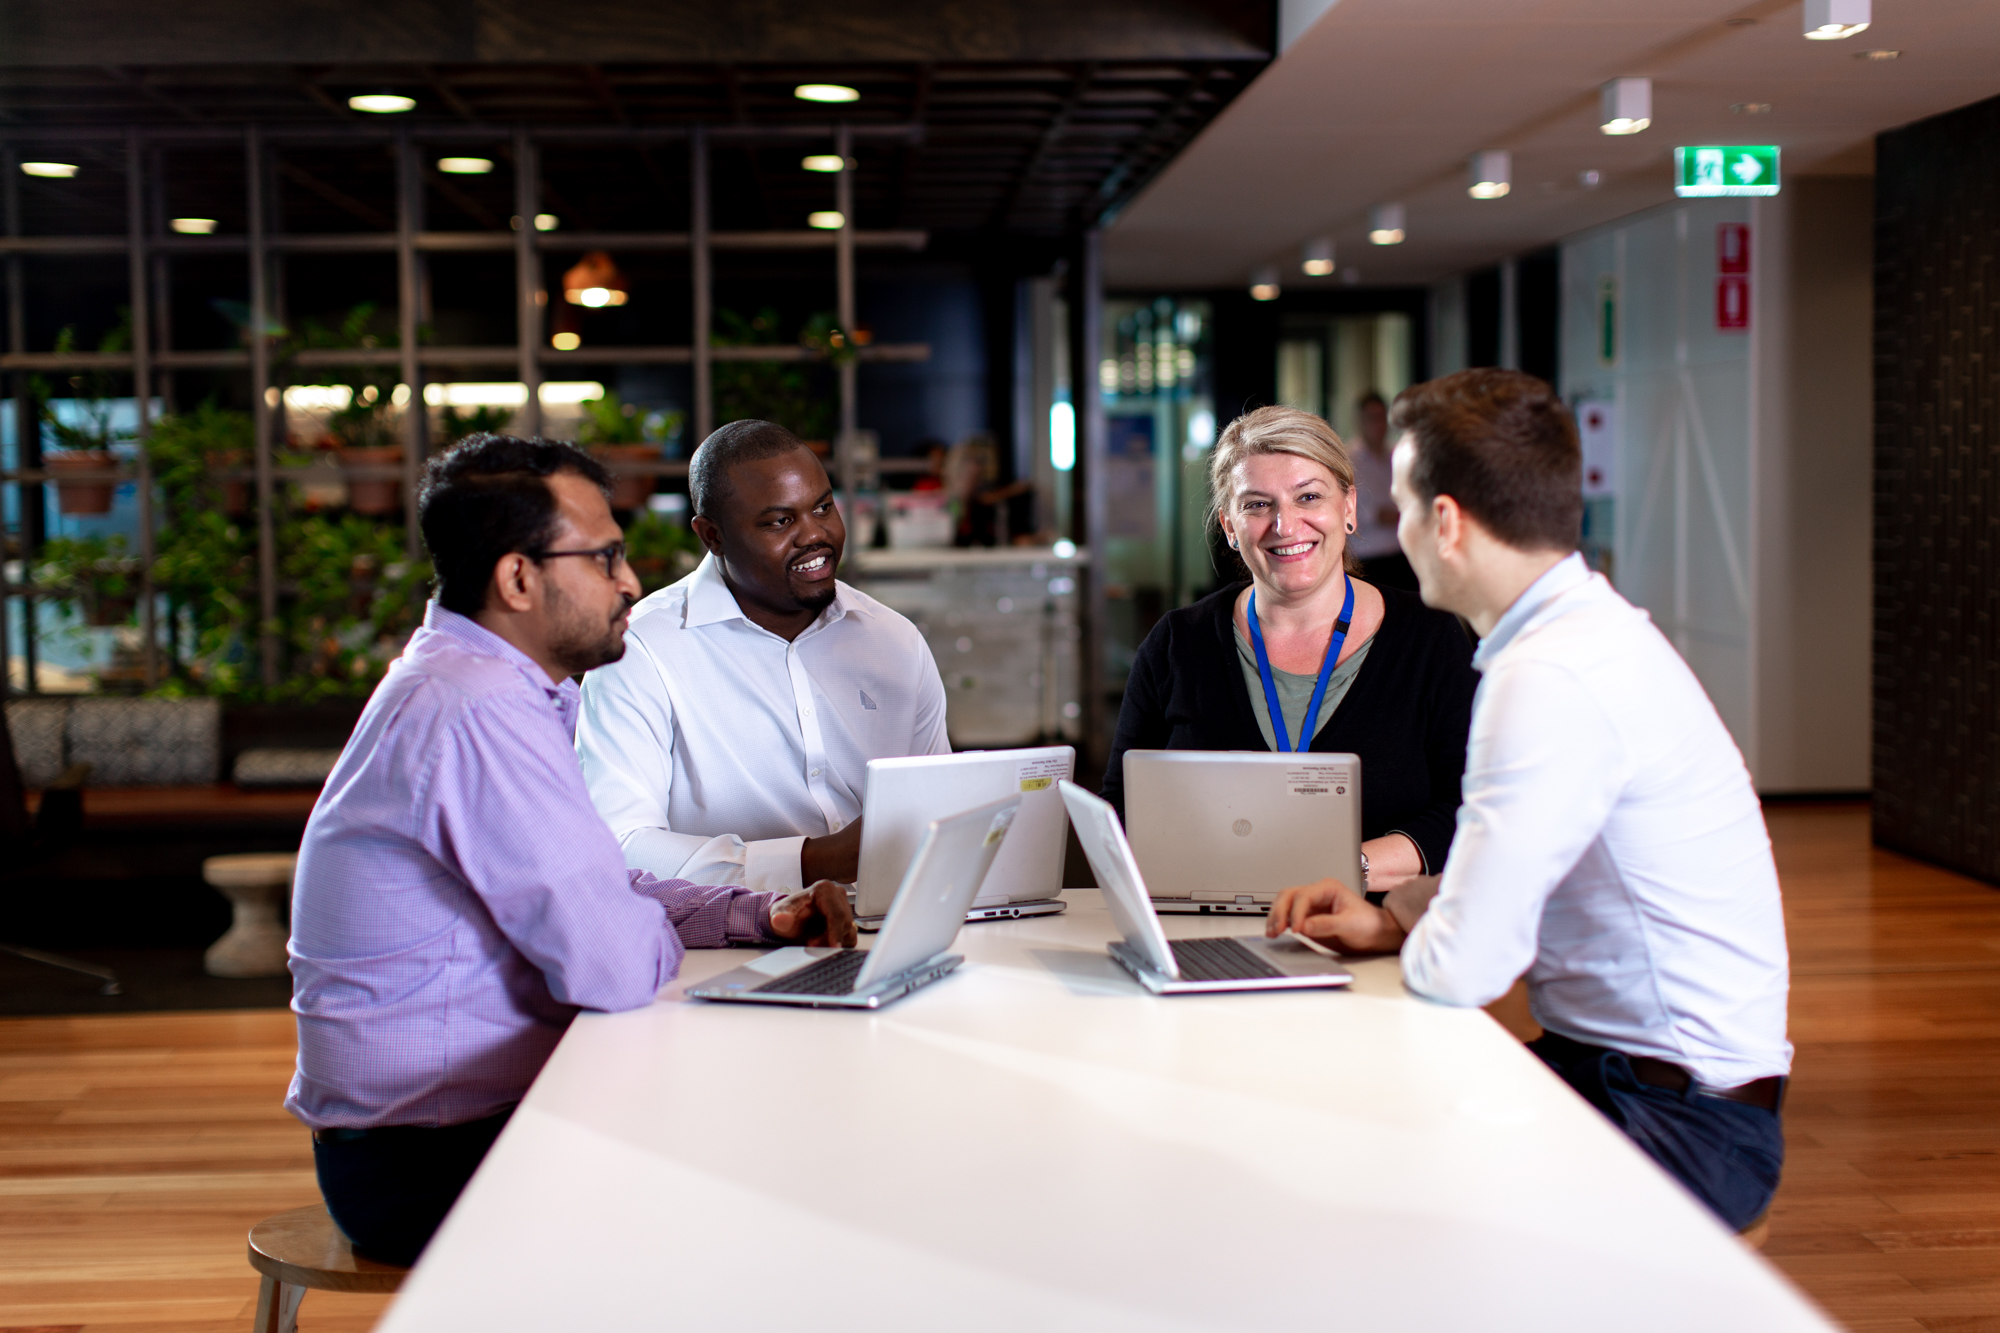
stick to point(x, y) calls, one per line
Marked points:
point(278, 1306)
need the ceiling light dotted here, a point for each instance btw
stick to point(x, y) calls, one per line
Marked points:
point(566, 342)
point(1316, 257)
point(1625, 106)
point(1385, 224)
point(465, 166)
point(824, 162)
point(595, 282)
point(1877, 55)
point(828, 220)
point(547, 222)
point(382, 104)
point(53, 170)
point(1590, 180)
point(1834, 20)
point(1264, 284)
point(826, 92)
point(1492, 174)
point(194, 226)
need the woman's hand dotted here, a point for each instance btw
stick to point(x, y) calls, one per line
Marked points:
point(1334, 915)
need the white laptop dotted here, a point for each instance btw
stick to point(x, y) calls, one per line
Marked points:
point(1181, 967)
point(1228, 831)
point(902, 796)
point(954, 856)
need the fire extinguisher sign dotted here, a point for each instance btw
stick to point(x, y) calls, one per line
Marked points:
point(1732, 277)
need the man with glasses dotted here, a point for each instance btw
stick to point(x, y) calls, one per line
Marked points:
point(457, 898)
point(731, 745)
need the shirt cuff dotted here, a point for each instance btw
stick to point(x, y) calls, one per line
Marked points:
point(771, 865)
point(750, 919)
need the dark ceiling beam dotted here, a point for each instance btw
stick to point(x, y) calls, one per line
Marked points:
point(336, 196)
point(1079, 88)
point(137, 83)
point(464, 202)
point(458, 105)
point(906, 161)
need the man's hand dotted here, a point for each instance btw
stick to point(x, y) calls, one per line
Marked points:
point(1336, 916)
point(819, 918)
point(832, 856)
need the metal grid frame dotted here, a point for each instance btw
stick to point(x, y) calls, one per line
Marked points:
point(149, 248)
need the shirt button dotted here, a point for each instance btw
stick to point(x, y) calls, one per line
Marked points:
point(815, 772)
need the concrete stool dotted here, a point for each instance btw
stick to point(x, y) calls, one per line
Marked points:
point(302, 1249)
point(255, 944)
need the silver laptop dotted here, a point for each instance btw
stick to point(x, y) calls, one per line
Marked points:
point(1181, 967)
point(954, 856)
point(1227, 831)
point(902, 796)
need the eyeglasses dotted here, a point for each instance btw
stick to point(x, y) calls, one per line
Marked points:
point(611, 557)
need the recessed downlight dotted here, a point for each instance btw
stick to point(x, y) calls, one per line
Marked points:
point(51, 170)
point(382, 104)
point(827, 162)
point(826, 92)
point(194, 226)
point(465, 166)
point(826, 220)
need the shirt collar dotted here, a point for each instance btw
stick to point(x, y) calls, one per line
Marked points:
point(469, 634)
point(1567, 573)
point(710, 602)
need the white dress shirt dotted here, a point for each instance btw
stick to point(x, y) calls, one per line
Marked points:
point(714, 748)
point(1610, 846)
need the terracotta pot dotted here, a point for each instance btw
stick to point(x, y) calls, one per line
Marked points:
point(233, 492)
point(83, 497)
point(369, 495)
point(103, 609)
point(629, 491)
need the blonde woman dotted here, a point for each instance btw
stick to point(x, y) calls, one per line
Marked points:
point(1306, 656)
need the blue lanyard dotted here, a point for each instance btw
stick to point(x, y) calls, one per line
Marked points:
point(1325, 670)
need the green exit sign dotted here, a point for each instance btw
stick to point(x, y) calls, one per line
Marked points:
point(1708, 172)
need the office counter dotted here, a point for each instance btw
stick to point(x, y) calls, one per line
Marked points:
point(1035, 1143)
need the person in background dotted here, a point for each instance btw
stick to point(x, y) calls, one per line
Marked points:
point(1304, 656)
point(457, 900)
point(731, 746)
point(1611, 846)
point(1382, 561)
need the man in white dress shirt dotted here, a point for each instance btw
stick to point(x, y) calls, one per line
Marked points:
point(1610, 846)
point(731, 743)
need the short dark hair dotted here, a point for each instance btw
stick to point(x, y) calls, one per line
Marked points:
point(1371, 397)
point(746, 441)
point(488, 497)
point(1504, 446)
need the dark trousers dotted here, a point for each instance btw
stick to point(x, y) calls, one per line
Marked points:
point(388, 1189)
point(1727, 1154)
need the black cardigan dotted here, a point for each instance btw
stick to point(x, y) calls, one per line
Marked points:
point(1405, 715)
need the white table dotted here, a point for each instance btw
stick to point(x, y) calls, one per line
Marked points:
point(1035, 1144)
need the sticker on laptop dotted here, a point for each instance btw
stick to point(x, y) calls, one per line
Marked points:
point(1041, 774)
point(998, 829)
point(1319, 779)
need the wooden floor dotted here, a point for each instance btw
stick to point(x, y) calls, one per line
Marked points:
point(135, 1151)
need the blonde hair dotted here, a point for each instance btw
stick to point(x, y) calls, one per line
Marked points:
point(1276, 430)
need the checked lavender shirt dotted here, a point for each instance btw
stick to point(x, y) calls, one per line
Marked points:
point(458, 899)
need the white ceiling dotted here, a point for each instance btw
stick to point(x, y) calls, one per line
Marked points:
point(1386, 99)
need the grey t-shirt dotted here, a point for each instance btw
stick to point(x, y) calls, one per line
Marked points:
point(1295, 692)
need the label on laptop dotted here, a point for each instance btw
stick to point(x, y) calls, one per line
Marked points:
point(1041, 774)
point(1319, 779)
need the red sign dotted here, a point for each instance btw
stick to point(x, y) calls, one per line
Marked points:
point(1732, 248)
point(1732, 303)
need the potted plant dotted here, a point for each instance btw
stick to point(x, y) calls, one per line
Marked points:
point(364, 428)
point(616, 432)
point(660, 550)
point(97, 573)
point(84, 446)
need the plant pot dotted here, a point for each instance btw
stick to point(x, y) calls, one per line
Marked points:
point(628, 490)
point(102, 609)
point(370, 495)
point(233, 492)
point(83, 497)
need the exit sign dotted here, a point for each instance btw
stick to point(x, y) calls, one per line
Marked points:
point(1708, 172)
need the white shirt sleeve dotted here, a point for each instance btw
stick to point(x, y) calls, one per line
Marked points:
point(624, 740)
point(930, 737)
point(1544, 768)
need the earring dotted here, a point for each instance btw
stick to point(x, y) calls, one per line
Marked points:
point(1350, 527)
point(1233, 546)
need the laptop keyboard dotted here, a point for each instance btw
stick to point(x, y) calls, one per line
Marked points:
point(832, 975)
point(1217, 960)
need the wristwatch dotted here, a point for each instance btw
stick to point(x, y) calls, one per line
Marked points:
point(1375, 897)
point(1364, 871)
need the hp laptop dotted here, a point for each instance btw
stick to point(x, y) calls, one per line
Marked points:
point(904, 795)
point(954, 856)
point(1183, 967)
point(1228, 831)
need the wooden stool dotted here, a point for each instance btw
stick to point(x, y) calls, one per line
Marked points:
point(301, 1249)
point(255, 943)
